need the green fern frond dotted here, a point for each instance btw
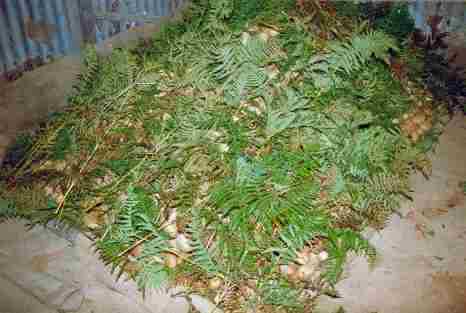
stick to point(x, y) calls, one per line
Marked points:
point(152, 275)
point(286, 114)
point(218, 12)
point(105, 77)
point(340, 242)
point(91, 67)
point(7, 209)
point(297, 234)
point(202, 255)
point(238, 67)
point(137, 218)
point(348, 57)
point(389, 183)
point(280, 294)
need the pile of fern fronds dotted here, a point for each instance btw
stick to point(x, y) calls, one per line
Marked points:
point(215, 156)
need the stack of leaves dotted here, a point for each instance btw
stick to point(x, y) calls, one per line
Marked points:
point(240, 164)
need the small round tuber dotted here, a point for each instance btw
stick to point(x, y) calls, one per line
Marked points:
point(215, 283)
point(171, 260)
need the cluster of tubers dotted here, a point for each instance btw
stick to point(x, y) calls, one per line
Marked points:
point(215, 283)
point(416, 123)
point(264, 32)
point(180, 243)
point(306, 267)
point(55, 192)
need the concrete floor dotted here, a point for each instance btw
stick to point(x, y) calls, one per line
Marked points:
point(422, 255)
point(30, 99)
point(42, 272)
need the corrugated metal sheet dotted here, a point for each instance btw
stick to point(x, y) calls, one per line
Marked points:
point(34, 31)
point(452, 12)
point(114, 16)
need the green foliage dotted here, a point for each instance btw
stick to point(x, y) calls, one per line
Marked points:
point(392, 18)
point(285, 114)
point(368, 91)
point(240, 66)
point(211, 15)
point(219, 16)
point(63, 144)
point(219, 122)
point(245, 11)
point(270, 194)
point(91, 68)
point(340, 243)
point(281, 295)
point(346, 58)
point(137, 223)
point(202, 255)
point(350, 8)
point(398, 22)
point(7, 209)
point(152, 276)
point(104, 78)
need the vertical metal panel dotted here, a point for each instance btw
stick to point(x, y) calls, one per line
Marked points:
point(37, 17)
point(49, 15)
point(73, 31)
point(31, 46)
point(151, 7)
point(87, 21)
point(5, 45)
point(124, 11)
point(157, 8)
point(37, 28)
point(63, 41)
point(15, 32)
point(140, 7)
point(99, 8)
point(2, 66)
point(101, 5)
point(106, 23)
point(165, 8)
point(96, 10)
point(129, 13)
point(31, 29)
point(419, 15)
